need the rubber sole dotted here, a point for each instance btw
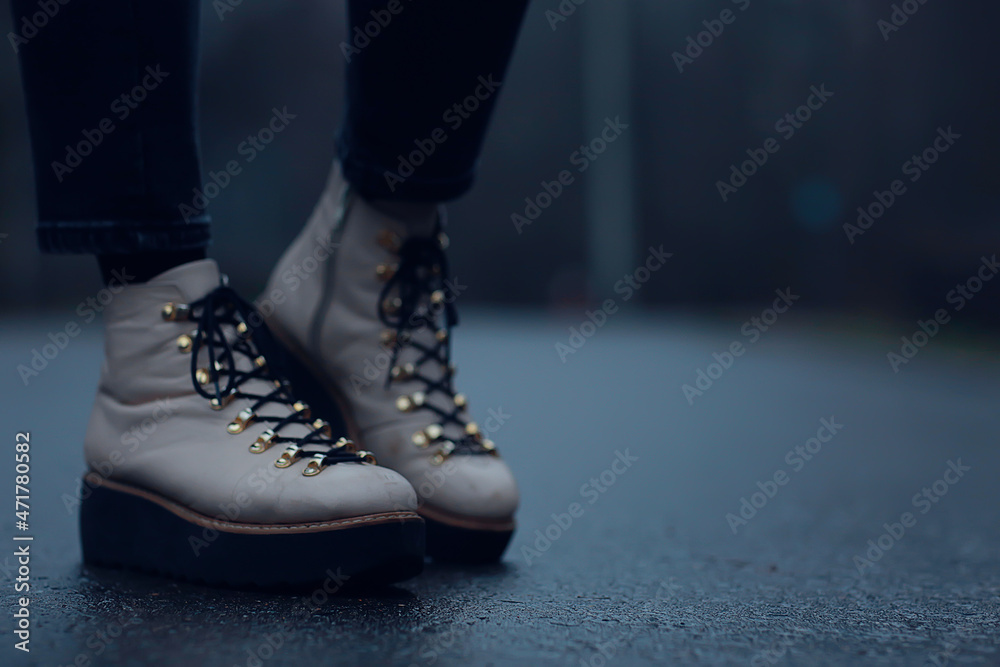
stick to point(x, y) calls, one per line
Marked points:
point(448, 540)
point(124, 527)
point(447, 543)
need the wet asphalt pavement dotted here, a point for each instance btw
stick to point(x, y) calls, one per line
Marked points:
point(655, 559)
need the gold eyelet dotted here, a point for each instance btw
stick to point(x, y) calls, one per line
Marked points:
point(302, 409)
point(404, 372)
point(490, 447)
point(420, 439)
point(434, 431)
point(242, 329)
point(404, 403)
point(384, 272)
point(443, 240)
point(392, 306)
point(263, 442)
point(441, 335)
point(219, 404)
point(322, 427)
point(175, 311)
point(315, 465)
point(367, 457)
point(443, 453)
point(243, 419)
point(184, 343)
point(472, 428)
point(287, 457)
point(437, 297)
point(460, 401)
point(260, 362)
point(388, 337)
point(202, 376)
point(344, 443)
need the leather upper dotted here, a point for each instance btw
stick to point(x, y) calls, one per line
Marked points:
point(149, 428)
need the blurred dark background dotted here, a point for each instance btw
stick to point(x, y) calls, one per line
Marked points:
point(654, 571)
point(607, 59)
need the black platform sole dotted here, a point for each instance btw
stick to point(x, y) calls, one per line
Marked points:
point(452, 544)
point(128, 528)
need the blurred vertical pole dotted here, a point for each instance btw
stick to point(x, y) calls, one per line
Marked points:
point(607, 92)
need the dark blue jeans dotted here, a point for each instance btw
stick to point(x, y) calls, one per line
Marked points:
point(110, 87)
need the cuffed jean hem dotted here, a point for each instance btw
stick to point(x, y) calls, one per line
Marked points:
point(116, 237)
point(374, 181)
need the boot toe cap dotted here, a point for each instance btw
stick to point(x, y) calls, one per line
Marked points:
point(473, 487)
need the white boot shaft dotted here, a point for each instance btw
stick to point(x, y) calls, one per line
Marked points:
point(334, 309)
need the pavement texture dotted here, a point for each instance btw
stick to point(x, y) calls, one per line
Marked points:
point(613, 564)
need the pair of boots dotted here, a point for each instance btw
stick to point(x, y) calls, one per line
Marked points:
point(327, 441)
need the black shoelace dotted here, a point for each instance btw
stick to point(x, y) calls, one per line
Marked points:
point(224, 307)
point(418, 297)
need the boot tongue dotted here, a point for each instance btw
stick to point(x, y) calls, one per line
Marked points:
point(194, 279)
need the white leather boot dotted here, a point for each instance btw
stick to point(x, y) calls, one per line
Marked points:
point(366, 303)
point(203, 465)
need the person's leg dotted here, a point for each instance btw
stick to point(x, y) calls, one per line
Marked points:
point(201, 459)
point(111, 101)
point(424, 88)
point(364, 296)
